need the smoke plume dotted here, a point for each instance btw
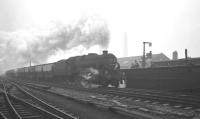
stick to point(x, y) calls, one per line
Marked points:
point(19, 47)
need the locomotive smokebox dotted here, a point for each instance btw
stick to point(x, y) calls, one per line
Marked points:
point(105, 52)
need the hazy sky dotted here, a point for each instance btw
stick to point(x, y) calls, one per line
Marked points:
point(169, 24)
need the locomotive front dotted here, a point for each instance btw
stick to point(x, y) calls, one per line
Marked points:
point(98, 70)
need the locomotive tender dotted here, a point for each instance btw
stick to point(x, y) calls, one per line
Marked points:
point(86, 71)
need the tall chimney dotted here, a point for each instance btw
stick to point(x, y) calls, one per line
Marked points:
point(125, 45)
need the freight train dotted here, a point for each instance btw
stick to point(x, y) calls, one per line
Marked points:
point(86, 71)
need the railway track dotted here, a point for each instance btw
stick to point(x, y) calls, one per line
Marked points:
point(18, 104)
point(116, 110)
point(171, 98)
point(152, 96)
point(166, 98)
point(15, 108)
point(164, 93)
point(150, 102)
point(155, 96)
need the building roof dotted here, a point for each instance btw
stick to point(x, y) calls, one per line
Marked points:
point(125, 62)
point(178, 62)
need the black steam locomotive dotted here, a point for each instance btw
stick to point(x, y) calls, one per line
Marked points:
point(88, 71)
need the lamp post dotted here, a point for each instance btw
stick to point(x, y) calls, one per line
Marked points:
point(143, 58)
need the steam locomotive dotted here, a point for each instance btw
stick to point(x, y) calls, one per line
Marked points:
point(87, 71)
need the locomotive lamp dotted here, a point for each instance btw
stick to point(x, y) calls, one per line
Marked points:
point(143, 58)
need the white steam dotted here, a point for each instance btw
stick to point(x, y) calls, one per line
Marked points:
point(38, 45)
point(89, 73)
point(87, 76)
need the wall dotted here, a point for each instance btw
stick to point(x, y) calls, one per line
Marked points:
point(165, 78)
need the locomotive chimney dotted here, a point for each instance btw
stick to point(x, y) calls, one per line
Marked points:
point(105, 52)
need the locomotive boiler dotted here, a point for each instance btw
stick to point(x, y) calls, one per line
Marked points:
point(88, 71)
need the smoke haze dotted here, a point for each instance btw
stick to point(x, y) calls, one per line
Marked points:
point(37, 45)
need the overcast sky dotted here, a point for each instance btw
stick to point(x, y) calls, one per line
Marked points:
point(169, 24)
